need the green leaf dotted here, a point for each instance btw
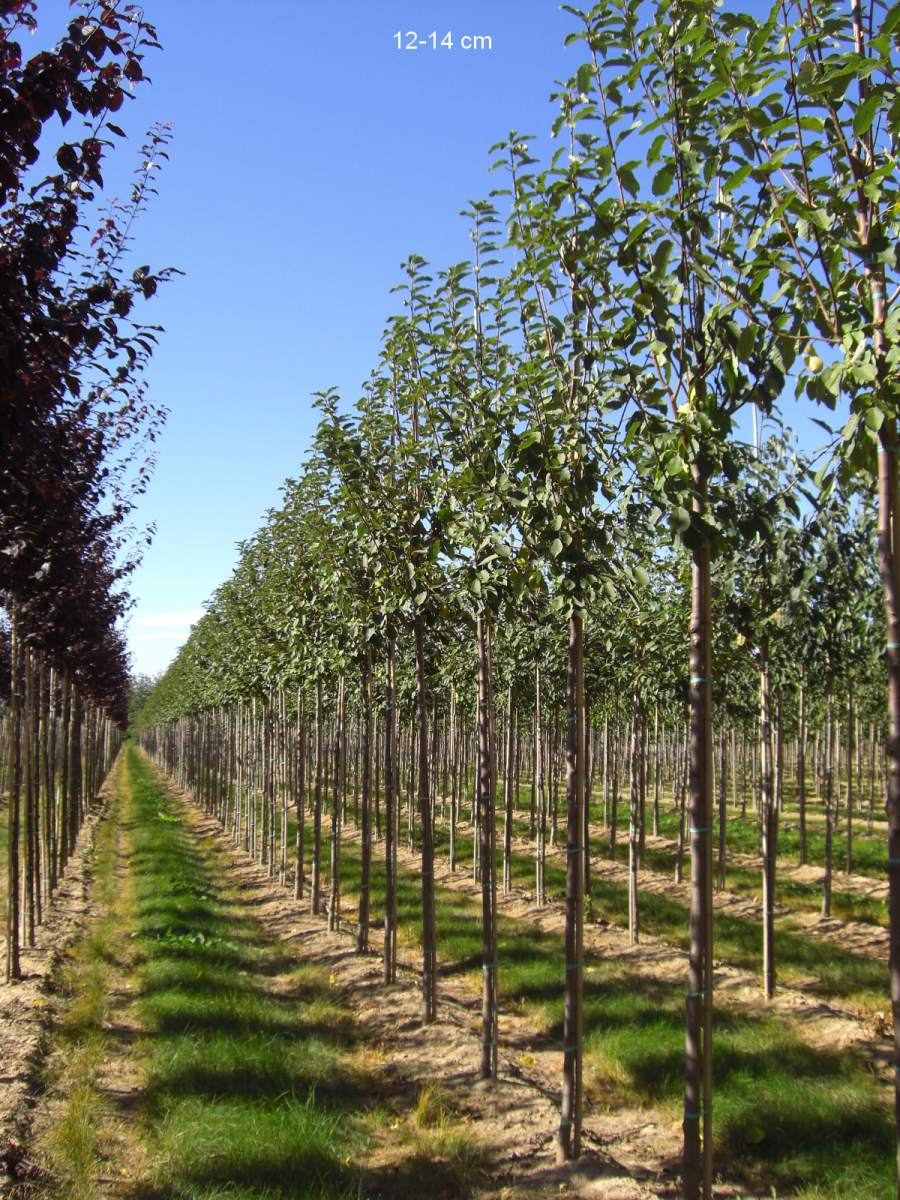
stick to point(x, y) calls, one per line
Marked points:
point(662, 180)
point(865, 114)
point(656, 148)
point(746, 341)
point(641, 576)
point(556, 547)
point(629, 181)
point(680, 519)
point(711, 91)
point(737, 177)
point(892, 20)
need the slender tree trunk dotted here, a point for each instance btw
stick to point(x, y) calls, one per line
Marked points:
point(697, 1174)
point(315, 895)
point(573, 1014)
point(656, 768)
point(681, 787)
point(614, 799)
point(508, 792)
point(391, 825)
point(723, 814)
point(337, 812)
point(633, 818)
point(13, 917)
point(832, 739)
point(488, 853)
point(801, 775)
point(768, 818)
point(539, 791)
point(30, 796)
point(870, 815)
point(301, 796)
point(850, 728)
point(362, 931)
point(429, 951)
point(454, 778)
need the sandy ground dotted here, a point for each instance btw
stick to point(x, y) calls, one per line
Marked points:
point(25, 1006)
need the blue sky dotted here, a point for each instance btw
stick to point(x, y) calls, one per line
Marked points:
point(310, 157)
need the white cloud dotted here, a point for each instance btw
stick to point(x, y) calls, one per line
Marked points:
point(159, 635)
point(172, 621)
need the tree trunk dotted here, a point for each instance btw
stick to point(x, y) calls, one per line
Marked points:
point(850, 728)
point(801, 775)
point(633, 819)
point(300, 785)
point(832, 738)
point(13, 918)
point(391, 825)
point(362, 929)
point(508, 780)
point(315, 893)
point(768, 819)
point(573, 1017)
point(487, 833)
point(697, 1173)
point(538, 791)
point(429, 964)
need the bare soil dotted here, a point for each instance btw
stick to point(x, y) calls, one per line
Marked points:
point(26, 1006)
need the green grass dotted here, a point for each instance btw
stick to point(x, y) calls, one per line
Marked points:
point(806, 1121)
point(868, 851)
point(76, 1141)
point(745, 881)
point(249, 1092)
point(821, 967)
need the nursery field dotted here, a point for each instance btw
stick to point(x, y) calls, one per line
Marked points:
point(206, 1035)
point(520, 817)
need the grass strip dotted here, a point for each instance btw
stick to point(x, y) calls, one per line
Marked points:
point(809, 1121)
point(249, 1092)
point(76, 1140)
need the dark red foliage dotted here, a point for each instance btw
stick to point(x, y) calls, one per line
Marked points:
point(73, 414)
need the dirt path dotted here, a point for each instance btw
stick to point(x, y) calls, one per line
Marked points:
point(26, 1006)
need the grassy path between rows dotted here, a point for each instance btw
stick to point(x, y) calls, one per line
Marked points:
point(195, 1057)
point(805, 1121)
point(192, 1058)
point(819, 966)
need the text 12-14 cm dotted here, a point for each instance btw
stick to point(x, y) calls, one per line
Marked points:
point(412, 40)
